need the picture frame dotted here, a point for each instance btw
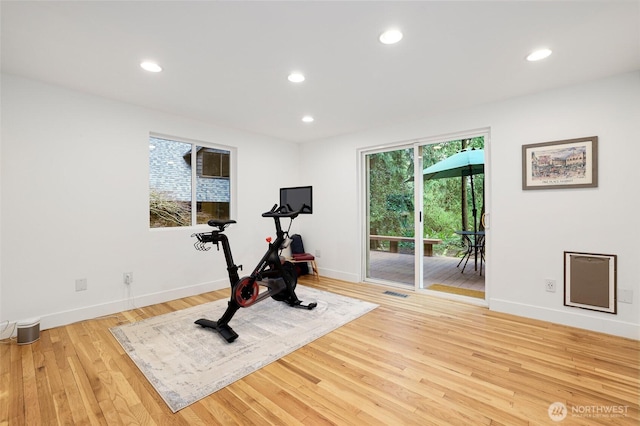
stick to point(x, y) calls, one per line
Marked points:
point(571, 163)
point(590, 281)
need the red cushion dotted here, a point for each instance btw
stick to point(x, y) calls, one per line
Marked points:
point(303, 256)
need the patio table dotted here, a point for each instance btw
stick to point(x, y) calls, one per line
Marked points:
point(474, 240)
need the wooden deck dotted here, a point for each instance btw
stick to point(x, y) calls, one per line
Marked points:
point(399, 268)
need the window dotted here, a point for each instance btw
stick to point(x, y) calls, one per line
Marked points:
point(174, 185)
point(215, 164)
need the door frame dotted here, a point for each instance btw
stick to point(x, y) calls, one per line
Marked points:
point(363, 168)
point(364, 214)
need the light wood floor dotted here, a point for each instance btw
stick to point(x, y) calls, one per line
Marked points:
point(417, 360)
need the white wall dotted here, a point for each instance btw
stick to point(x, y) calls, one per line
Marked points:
point(75, 205)
point(74, 179)
point(529, 230)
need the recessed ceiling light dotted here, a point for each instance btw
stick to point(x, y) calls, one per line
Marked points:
point(296, 77)
point(150, 66)
point(307, 119)
point(539, 54)
point(390, 36)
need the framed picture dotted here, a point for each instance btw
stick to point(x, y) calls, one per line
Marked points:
point(571, 163)
point(590, 281)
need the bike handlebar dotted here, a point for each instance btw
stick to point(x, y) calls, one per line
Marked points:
point(285, 211)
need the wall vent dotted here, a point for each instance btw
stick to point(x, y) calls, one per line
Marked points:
point(590, 281)
point(393, 293)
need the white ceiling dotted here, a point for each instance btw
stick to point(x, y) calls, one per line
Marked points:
point(227, 62)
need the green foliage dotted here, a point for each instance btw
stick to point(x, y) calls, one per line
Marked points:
point(400, 203)
point(391, 195)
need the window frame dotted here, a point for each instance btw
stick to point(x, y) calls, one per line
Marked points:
point(196, 174)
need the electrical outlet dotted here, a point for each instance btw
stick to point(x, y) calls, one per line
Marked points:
point(317, 253)
point(127, 278)
point(550, 285)
point(81, 284)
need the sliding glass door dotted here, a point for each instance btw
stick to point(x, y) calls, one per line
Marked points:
point(390, 216)
point(421, 221)
point(453, 206)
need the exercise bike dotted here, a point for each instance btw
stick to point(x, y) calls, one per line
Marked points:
point(279, 277)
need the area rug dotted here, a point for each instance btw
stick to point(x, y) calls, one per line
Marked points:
point(185, 362)
point(457, 290)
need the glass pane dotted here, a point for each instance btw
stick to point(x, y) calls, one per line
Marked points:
point(211, 164)
point(208, 211)
point(453, 203)
point(391, 255)
point(212, 187)
point(225, 166)
point(169, 183)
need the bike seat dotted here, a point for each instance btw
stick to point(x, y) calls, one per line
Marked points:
point(218, 223)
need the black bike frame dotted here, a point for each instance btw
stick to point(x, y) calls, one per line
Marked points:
point(271, 260)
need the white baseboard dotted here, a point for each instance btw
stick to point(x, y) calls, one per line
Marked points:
point(338, 275)
point(89, 312)
point(576, 319)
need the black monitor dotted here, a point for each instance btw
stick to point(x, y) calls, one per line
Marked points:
point(296, 197)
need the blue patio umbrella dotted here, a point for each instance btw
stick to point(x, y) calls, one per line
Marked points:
point(464, 163)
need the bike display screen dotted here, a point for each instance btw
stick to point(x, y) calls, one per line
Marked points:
point(296, 197)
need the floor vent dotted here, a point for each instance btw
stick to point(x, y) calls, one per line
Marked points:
point(393, 293)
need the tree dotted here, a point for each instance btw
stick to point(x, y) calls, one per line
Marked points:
point(165, 211)
point(391, 193)
point(446, 201)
